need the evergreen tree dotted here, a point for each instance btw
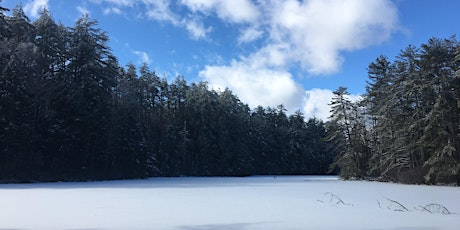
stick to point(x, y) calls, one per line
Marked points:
point(20, 84)
point(414, 111)
point(296, 159)
point(84, 107)
point(317, 156)
point(51, 41)
point(377, 98)
point(4, 27)
point(19, 26)
point(261, 141)
point(441, 132)
point(349, 136)
point(232, 134)
point(69, 112)
point(130, 153)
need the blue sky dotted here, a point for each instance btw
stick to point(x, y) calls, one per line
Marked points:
point(270, 52)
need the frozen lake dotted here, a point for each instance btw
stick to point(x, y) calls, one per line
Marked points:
point(266, 202)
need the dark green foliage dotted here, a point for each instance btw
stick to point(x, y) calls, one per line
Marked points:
point(349, 134)
point(409, 128)
point(69, 112)
point(4, 27)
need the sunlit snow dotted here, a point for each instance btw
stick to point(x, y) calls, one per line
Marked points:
point(187, 203)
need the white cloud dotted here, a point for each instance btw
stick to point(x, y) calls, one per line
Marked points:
point(237, 11)
point(196, 29)
point(143, 56)
point(310, 34)
point(272, 55)
point(120, 2)
point(34, 7)
point(112, 10)
point(316, 103)
point(83, 10)
point(160, 10)
point(256, 86)
point(268, 87)
point(249, 35)
point(316, 31)
point(199, 5)
point(114, 6)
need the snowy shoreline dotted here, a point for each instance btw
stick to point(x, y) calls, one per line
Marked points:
point(258, 202)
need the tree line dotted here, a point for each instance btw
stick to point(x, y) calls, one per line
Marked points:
point(406, 127)
point(70, 112)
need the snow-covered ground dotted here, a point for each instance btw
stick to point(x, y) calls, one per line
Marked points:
point(282, 202)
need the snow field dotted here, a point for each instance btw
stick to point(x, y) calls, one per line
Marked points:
point(188, 203)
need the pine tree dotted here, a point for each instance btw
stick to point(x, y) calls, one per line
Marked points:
point(261, 141)
point(129, 153)
point(19, 79)
point(441, 133)
point(4, 27)
point(19, 26)
point(415, 114)
point(378, 94)
point(296, 159)
point(86, 98)
point(349, 135)
point(232, 134)
point(318, 157)
point(50, 40)
point(403, 159)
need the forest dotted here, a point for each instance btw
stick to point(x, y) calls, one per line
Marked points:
point(406, 128)
point(70, 112)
